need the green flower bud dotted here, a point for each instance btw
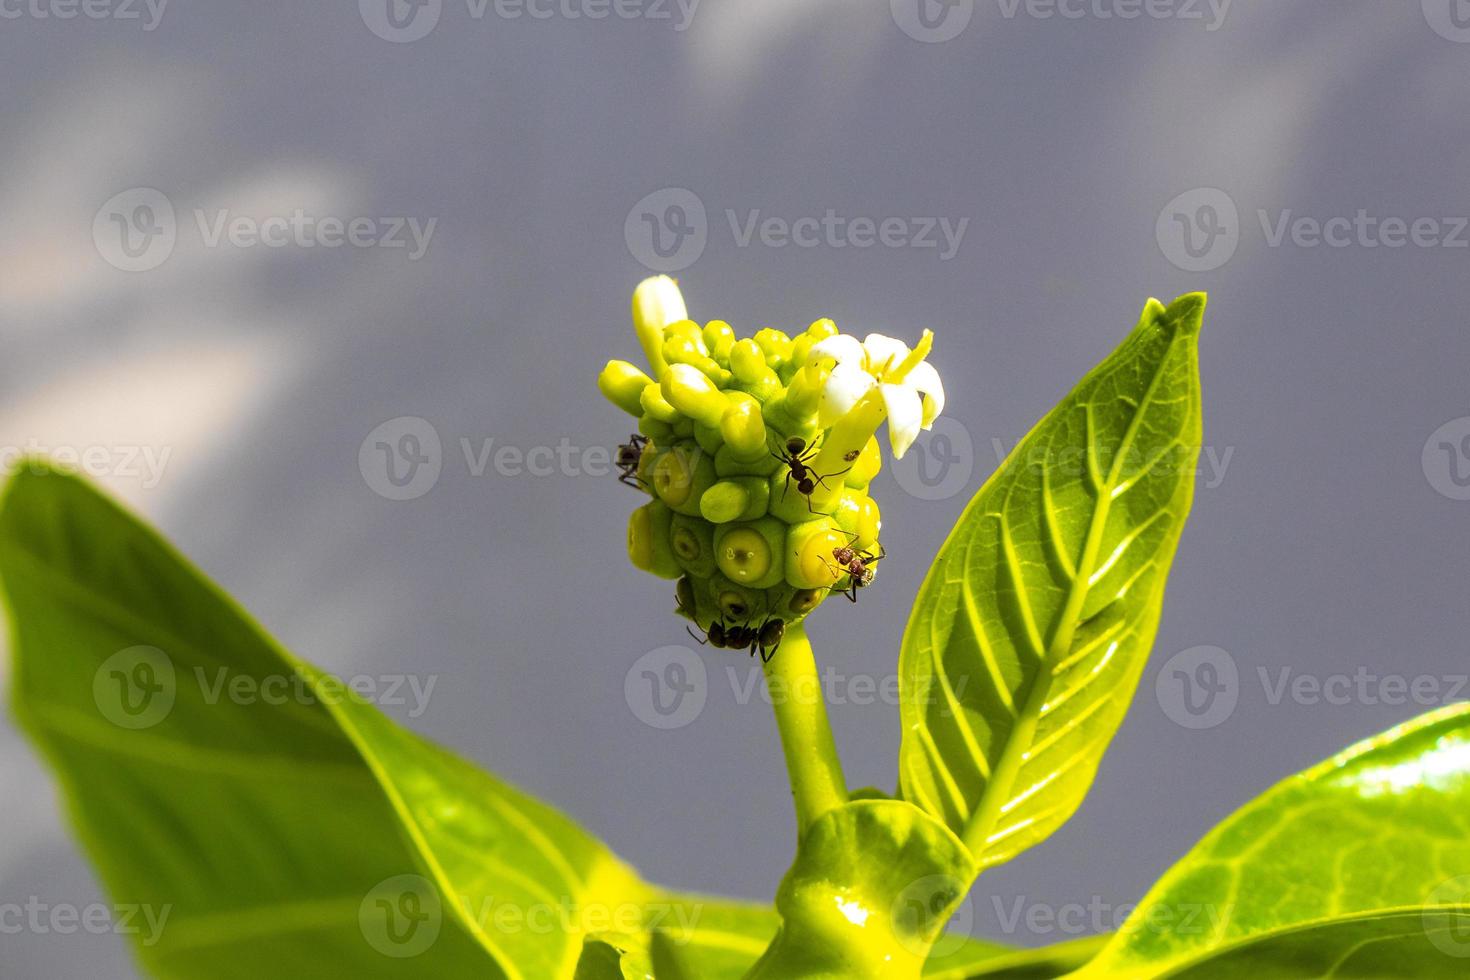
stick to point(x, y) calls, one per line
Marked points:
point(805, 390)
point(747, 361)
point(809, 562)
point(687, 389)
point(750, 554)
point(654, 429)
point(684, 602)
point(680, 350)
point(821, 330)
point(680, 477)
point(743, 428)
point(738, 605)
point(856, 513)
point(648, 540)
point(724, 502)
point(623, 385)
point(693, 544)
point(776, 346)
point(708, 438)
point(803, 601)
point(688, 330)
point(653, 402)
point(719, 337)
point(727, 464)
point(740, 499)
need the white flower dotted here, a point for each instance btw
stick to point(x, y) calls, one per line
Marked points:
point(910, 387)
point(657, 303)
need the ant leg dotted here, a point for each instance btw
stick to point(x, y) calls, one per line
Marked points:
point(696, 638)
point(825, 476)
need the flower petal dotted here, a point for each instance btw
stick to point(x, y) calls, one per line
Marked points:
point(842, 348)
point(845, 387)
point(924, 378)
point(884, 351)
point(904, 417)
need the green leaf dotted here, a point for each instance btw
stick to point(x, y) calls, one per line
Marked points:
point(1362, 857)
point(276, 820)
point(615, 956)
point(1029, 634)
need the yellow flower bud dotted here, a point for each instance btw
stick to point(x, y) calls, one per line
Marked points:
point(657, 302)
point(653, 402)
point(747, 553)
point(809, 562)
point(719, 337)
point(687, 389)
point(648, 541)
point(623, 385)
point(743, 428)
point(747, 361)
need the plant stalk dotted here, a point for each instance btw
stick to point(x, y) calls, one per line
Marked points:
point(817, 784)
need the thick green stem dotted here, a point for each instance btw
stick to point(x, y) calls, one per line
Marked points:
point(806, 736)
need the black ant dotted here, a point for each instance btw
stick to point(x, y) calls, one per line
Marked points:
point(858, 564)
point(807, 479)
point(766, 639)
point(630, 454)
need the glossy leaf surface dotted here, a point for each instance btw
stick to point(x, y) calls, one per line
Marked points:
point(1362, 857)
point(1031, 629)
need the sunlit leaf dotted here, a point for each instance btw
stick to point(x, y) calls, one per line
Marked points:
point(1029, 634)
